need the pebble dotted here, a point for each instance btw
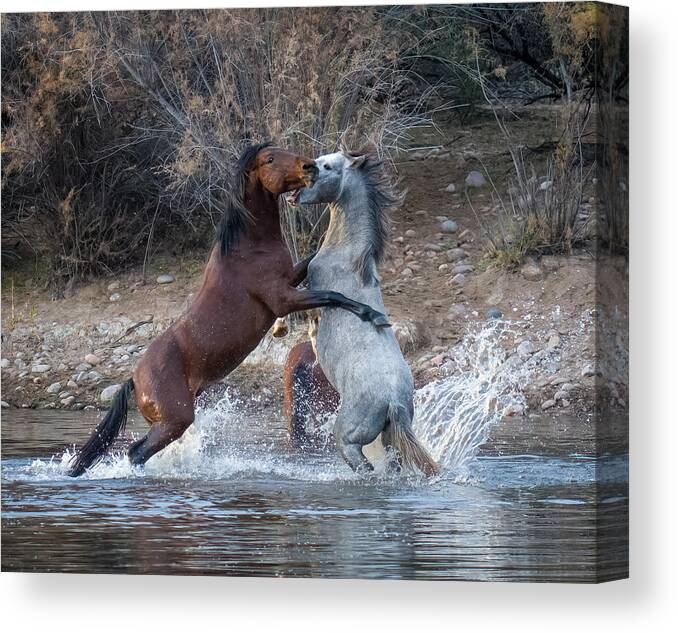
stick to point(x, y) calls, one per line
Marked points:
point(93, 376)
point(410, 233)
point(83, 367)
point(493, 313)
point(455, 254)
point(68, 401)
point(64, 394)
point(406, 272)
point(108, 394)
point(463, 268)
point(436, 248)
point(114, 285)
point(546, 185)
point(55, 387)
point(589, 370)
point(450, 188)
point(71, 384)
point(448, 226)
point(525, 349)
point(4, 405)
point(568, 386)
point(5, 363)
point(547, 404)
point(559, 395)
point(514, 409)
point(443, 268)
point(458, 279)
point(554, 341)
point(40, 369)
point(457, 311)
point(441, 218)
point(165, 279)
point(92, 359)
point(475, 179)
point(438, 360)
point(116, 296)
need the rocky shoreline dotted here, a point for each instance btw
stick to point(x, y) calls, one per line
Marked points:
point(74, 352)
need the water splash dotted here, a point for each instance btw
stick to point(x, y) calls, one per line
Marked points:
point(455, 414)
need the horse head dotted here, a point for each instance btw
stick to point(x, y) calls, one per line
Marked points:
point(280, 171)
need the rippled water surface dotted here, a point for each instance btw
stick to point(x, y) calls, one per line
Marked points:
point(232, 498)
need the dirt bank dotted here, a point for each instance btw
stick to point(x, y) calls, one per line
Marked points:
point(437, 287)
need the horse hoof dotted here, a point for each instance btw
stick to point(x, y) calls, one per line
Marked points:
point(380, 321)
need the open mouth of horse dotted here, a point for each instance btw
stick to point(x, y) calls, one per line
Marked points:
point(293, 196)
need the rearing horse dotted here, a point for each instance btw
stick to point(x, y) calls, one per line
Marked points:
point(248, 282)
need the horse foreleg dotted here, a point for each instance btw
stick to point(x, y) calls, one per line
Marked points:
point(300, 270)
point(293, 300)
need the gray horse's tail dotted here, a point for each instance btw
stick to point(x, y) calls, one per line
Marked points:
point(405, 442)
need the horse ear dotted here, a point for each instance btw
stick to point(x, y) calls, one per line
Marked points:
point(356, 162)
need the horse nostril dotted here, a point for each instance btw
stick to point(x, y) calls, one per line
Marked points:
point(310, 167)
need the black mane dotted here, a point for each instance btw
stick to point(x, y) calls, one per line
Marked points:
point(236, 215)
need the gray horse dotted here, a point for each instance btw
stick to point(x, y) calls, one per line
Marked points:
point(364, 364)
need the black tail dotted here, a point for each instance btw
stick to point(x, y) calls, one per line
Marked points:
point(104, 435)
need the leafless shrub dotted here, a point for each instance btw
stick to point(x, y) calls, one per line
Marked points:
point(168, 98)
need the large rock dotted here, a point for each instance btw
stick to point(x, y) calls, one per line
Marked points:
point(475, 179)
point(40, 368)
point(448, 226)
point(165, 279)
point(55, 387)
point(455, 254)
point(109, 393)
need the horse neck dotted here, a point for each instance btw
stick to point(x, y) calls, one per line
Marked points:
point(350, 231)
point(265, 216)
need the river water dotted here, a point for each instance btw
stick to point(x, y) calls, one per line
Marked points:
point(533, 504)
point(532, 498)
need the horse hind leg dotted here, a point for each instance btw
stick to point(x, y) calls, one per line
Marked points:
point(352, 432)
point(175, 418)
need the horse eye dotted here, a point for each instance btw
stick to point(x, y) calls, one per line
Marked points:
point(270, 159)
point(327, 167)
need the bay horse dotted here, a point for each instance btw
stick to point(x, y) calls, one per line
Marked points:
point(249, 280)
point(308, 396)
point(363, 364)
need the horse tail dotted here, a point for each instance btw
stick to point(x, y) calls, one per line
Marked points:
point(104, 435)
point(406, 443)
